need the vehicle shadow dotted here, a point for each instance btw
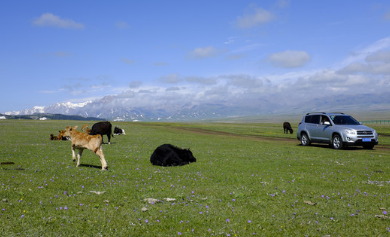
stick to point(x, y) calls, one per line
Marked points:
point(348, 148)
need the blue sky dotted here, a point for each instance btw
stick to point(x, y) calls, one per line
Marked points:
point(148, 52)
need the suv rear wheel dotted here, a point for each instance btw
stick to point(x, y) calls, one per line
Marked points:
point(337, 142)
point(305, 141)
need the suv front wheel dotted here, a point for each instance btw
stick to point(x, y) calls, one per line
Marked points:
point(337, 142)
point(305, 141)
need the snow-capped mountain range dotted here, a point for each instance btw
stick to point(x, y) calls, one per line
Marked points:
point(109, 108)
point(114, 109)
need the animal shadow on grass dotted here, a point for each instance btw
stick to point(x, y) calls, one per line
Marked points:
point(5, 165)
point(90, 166)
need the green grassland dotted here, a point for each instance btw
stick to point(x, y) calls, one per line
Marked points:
point(250, 179)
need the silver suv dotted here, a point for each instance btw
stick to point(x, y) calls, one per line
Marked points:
point(336, 129)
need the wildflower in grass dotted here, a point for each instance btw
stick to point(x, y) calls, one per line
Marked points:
point(249, 221)
point(227, 220)
point(22, 216)
point(146, 221)
point(179, 233)
point(384, 212)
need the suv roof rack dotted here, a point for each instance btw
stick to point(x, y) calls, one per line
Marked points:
point(336, 112)
point(316, 113)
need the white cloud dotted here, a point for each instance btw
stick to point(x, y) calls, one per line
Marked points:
point(283, 3)
point(387, 15)
point(201, 80)
point(171, 78)
point(49, 19)
point(375, 69)
point(121, 25)
point(260, 16)
point(289, 59)
point(379, 56)
point(205, 52)
point(127, 61)
point(135, 84)
point(361, 54)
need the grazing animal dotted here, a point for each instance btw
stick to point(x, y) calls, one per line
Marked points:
point(287, 127)
point(81, 141)
point(169, 155)
point(52, 137)
point(61, 136)
point(119, 131)
point(102, 128)
point(85, 128)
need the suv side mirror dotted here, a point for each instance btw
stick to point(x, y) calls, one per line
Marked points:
point(326, 123)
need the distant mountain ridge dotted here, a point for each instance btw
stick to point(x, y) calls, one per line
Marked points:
point(44, 116)
point(114, 109)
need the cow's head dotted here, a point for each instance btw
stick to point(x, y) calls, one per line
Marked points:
point(291, 131)
point(189, 156)
point(68, 130)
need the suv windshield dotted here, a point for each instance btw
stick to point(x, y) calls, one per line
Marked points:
point(344, 120)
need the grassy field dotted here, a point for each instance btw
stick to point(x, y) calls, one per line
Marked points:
point(249, 180)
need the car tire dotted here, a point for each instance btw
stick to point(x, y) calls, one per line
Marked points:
point(370, 146)
point(305, 141)
point(337, 142)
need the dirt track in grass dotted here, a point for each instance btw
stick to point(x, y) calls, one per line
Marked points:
point(291, 140)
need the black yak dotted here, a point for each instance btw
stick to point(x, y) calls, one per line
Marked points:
point(169, 155)
point(287, 127)
point(102, 128)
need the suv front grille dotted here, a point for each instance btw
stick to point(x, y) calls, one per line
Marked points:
point(364, 133)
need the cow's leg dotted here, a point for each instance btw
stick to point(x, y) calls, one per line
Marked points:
point(73, 154)
point(99, 152)
point(109, 138)
point(79, 156)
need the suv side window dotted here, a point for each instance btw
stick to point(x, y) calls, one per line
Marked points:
point(312, 119)
point(315, 119)
point(308, 119)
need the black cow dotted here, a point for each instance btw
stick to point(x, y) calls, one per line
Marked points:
point(119, 131)
point(169, 155)
point(102, 128)
point(287, 127)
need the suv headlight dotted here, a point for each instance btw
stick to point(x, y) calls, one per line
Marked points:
point(351, 132)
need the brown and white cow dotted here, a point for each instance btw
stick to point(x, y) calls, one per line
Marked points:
point(86, 129)
point(52, 137)
point(61, 136)
point(81, 141)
